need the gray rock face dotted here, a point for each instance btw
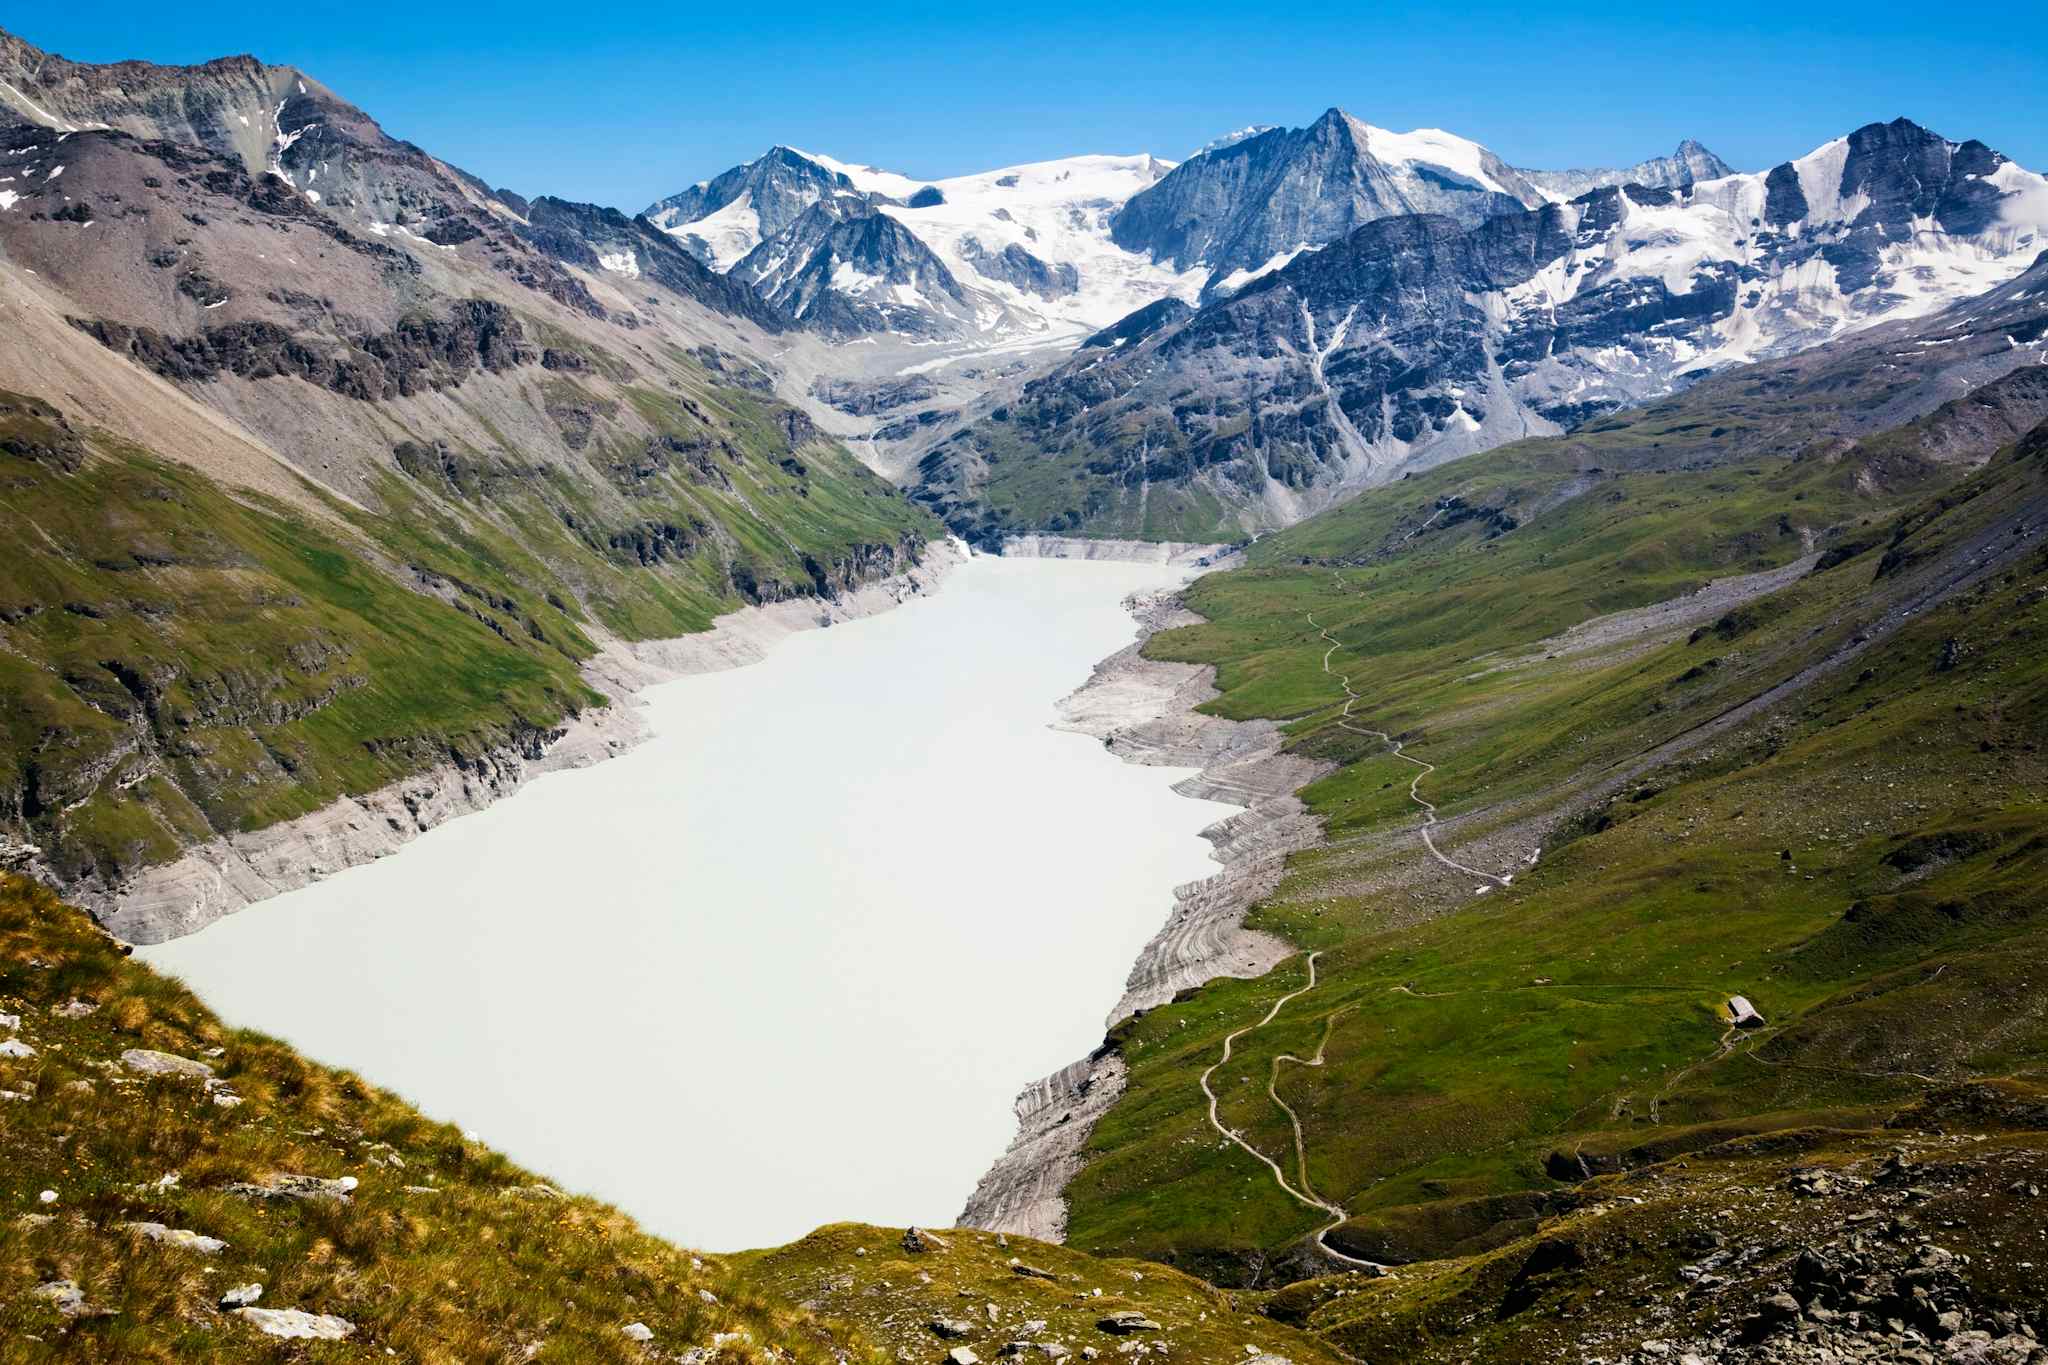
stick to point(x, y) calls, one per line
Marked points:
point(878, 396)
point(1014, 265)
point(1139, 324)
point(1690, 163)
point(1240, 205)
point(598, 238)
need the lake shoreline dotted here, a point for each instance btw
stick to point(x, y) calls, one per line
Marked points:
point(231, 872)
point(1145, 712)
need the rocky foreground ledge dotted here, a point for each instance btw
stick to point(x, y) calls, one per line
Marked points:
point(1144, 712)
point(226, 874)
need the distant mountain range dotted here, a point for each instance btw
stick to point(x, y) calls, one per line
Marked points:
point(1199, 349)
point(1419, 338)
point(1066, 246)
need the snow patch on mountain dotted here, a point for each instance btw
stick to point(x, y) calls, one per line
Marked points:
point(723, 237)
point(1435, 148)
point(1238, 279)
point(1058, 212)
point(1231, 139)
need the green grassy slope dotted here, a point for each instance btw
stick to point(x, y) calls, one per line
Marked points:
point(442, 1252)
point(872, 1280)
point(178, 661)
point(1862, 858)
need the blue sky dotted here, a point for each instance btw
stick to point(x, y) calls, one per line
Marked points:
point(621, 102)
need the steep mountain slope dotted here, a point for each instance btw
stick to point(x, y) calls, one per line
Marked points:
point(1414, 340)
point(336, 491)
point(1689, 164)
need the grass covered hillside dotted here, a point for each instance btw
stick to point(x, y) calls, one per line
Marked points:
point(1817, 784)
point(180, 658)
point(188, 1164)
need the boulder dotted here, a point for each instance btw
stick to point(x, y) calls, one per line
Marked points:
point(1774, 1314)
point(151, 1063)
point(951, 1329)
point(917, 1241)
point(67, 1297)
point(183, 1238)
point(1031, 1272)
point(290, 1322)
point(287, 1186)
point(962, 1355)
point(1131, 1320)
point(637, 1331)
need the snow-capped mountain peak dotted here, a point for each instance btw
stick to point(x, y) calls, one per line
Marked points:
point(1026, 248)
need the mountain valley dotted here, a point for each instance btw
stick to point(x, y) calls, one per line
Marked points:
point(1614, 612)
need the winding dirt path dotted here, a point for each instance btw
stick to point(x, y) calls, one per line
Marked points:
point(1306, 1194)
point(1351, 699)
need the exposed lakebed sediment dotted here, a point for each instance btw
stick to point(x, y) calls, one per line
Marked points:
point(1144, 711)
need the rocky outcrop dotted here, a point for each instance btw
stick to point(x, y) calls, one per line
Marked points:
point(1144, 711)
point(1138, 324)
point(226, 874)
point(1014, 266)
point(867, 398)
point(422, 353)
point(1688, 165)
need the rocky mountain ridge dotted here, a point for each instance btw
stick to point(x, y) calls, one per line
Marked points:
point(1688, 165)
point(1416, 340)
